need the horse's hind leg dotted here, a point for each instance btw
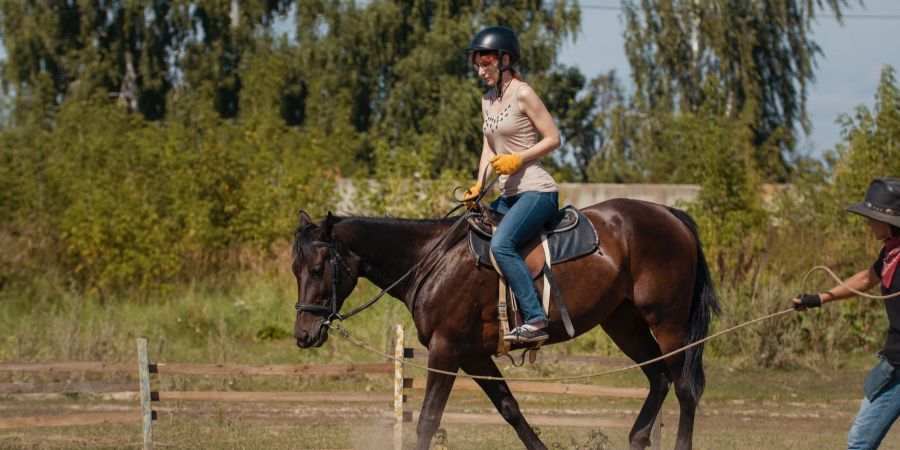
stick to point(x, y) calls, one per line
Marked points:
point(501, 396)
point(670, 340)
point(630, 332)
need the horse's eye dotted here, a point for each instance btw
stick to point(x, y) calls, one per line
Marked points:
point(317, 271)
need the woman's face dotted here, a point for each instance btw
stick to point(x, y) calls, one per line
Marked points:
point(881, 230)
point(488, 67)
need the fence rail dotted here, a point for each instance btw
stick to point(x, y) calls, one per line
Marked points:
point(83, 367)
point(92, 387)
point(533, 419)
point(257, 396)
point(198, 369)
point(543, 388)
point(145, 414)
point(80, 419)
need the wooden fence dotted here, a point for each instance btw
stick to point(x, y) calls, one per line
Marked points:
point(401, 385)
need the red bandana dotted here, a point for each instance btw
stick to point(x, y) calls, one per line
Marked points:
point(891, 258)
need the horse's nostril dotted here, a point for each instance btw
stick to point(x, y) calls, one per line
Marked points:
point(302, 338)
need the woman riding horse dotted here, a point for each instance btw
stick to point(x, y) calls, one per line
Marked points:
point(513, 116)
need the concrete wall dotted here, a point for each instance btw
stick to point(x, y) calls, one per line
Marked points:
point(579, 195)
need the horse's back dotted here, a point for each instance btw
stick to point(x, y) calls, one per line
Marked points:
point(638, 217)
point(646, 235)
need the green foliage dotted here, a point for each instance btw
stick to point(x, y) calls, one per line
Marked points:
point(238, 128)
point(403, 76)
point(398, 187)
point(761, 54)
point(614, 126)
point(872, 142)
point(381, 70)
point(136, 51)
point(128, 201)
point(729, 207)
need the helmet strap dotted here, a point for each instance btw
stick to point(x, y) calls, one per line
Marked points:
point(500, 69)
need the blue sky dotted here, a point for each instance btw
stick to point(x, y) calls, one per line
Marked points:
point(847, 74)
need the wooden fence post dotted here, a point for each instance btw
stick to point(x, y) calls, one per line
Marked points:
point(656, 432)
point(146, 413)
point(398, 387)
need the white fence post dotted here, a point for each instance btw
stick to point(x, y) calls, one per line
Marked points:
point(398, 387)
point(656, 431)
point(146, 412)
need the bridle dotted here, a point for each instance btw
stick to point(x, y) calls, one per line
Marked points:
point(334, 260)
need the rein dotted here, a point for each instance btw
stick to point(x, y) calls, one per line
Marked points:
point(340, 330)
point(335, 260)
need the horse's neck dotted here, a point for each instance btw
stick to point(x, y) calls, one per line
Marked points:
point(388, 248)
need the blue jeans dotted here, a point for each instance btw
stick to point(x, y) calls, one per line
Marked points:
point(526, 214)
point(875, 418)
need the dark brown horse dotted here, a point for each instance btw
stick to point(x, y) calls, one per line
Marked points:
point(648, 287)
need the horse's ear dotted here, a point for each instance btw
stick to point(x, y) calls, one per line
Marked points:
point(329, 221)
point(304, 219)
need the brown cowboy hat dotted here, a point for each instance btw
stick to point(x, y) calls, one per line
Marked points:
point(882, 201)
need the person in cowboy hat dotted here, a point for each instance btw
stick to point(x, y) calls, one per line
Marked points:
point(518, 131)
point(881, 405)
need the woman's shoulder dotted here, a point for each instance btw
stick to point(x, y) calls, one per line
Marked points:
point(525, 94)
point(524, 90)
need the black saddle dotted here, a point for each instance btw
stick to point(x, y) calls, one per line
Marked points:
point(570, 235)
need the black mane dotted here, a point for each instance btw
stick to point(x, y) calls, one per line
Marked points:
point(303, 234)
point(303, 240)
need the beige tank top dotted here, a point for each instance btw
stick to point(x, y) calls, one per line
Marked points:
point(509, 130)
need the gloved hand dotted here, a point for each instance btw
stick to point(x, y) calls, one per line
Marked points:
point(804, 301)
point(506, 164)
point(470, 195)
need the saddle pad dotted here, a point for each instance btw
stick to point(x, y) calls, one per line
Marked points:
point(564, 246)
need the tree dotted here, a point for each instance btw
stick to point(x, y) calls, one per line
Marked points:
point(871, 147)
point(405, 73)
point(134, 51)
point(761, 51)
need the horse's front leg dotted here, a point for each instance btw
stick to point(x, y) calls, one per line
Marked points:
point(502, 398)
point(437, 391)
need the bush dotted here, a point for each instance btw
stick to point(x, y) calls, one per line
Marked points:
point(128, 203)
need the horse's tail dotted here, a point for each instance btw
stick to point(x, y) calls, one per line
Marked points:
point(704, 304)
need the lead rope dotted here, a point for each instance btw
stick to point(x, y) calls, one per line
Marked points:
point(340, 330)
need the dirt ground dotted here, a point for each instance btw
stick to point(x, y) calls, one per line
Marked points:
point(734, 423)
point(741, 409)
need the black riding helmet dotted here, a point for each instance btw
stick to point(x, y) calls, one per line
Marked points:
point(501, 40)
point(497, 39)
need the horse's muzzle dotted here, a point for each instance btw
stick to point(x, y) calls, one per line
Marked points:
point(305, 340)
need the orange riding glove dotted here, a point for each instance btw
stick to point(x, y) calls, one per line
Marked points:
point(470, 194)
point(506, 164)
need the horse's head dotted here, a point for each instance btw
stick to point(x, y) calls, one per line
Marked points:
point(326, 274)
